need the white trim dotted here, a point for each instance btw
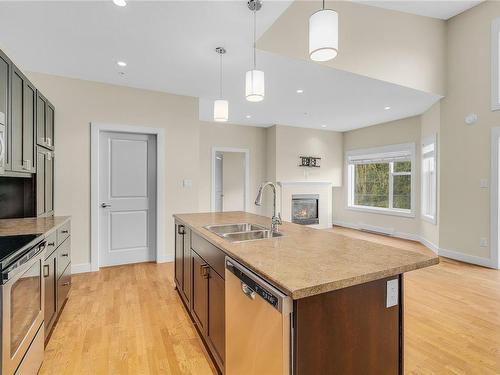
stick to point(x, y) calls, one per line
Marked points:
point(382, 211)
point(81, 268)
point(494, 197)
point(431, 139)
point(456, 255)
point(495, 66)
point(246, 151)
point(95, 130)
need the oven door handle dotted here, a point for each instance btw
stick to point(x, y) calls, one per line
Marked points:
point(12, 270)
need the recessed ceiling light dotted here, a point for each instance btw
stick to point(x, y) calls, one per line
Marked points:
point(120, 3)
point(123, 64)
point(387, 108)
point(300, 91)
point(323, 126)
point(248, 116)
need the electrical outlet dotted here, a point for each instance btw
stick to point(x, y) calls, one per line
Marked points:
point(483, 183)
point(483, 242)
point(187, 183)
point(392, 293)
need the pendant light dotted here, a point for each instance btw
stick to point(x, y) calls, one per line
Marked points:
point(221, 106)
point(323, 34)
point(254, 79)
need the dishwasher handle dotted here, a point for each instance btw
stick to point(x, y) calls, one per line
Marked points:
point(247, 290)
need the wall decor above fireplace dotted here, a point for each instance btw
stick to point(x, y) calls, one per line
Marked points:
point(309, 161)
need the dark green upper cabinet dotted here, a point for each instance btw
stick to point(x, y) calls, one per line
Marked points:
point(45, 122)
point(23, 122)
point(5, 76)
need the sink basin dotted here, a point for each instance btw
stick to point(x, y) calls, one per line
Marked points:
point(251, 236)
point(222, 229)
point(242, 232)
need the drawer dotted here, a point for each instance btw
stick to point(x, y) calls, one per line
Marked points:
point(51, 244)
point(63, 232)
point(210, 253)
point(63, 287)
point(63, 256)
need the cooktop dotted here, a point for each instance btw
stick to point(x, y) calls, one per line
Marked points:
point(10, 245)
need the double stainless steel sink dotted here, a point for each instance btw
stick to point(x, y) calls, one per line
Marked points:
point(242, 232)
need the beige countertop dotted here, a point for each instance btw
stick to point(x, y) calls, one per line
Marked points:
point(308, 261)
point(31, 225)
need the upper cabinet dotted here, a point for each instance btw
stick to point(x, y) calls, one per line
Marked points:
point(45, 122)
point(23, 117)
point(5, 75)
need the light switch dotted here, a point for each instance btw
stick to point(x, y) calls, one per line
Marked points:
point(187, 183)
point(483, 242)
point(483, 183)
point(392, 293)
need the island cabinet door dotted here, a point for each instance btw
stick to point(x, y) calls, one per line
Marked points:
point(179, 255)
point(216, 317)
point(186, 273)
point(199, 304)
point(350, 331)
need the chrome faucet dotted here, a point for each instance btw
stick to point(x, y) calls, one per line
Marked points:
point(276, 219)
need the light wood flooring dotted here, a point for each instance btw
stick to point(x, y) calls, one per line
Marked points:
point(129, 320)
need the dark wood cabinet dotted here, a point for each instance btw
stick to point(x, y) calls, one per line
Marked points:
point(50, 281)
point(199, 306)
point(44, 182)
point(199, 277)
point(44, 122)
point(23, 119)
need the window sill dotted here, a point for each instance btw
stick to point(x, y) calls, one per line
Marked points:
point(383, 211)
point(429, 219)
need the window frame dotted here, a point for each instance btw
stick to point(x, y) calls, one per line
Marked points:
point(495, 64)
point(427, 141)
point(350, 179)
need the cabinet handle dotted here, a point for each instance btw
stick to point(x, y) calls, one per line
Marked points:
point(51, 244)
point(49, 141)
point(46, 270)
point(180, 230)
point(205, 271)
point(27, 165)
point(65, 255)
point(65, 231)
point(67, 283)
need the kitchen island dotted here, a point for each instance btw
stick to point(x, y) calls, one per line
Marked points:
point(347, 294)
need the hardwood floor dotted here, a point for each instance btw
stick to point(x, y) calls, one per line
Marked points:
point(129, 320)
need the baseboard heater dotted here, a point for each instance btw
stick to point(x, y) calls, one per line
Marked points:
point(376, 230)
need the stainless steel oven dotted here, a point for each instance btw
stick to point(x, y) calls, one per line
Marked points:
point(3, 143)
point(22, 312)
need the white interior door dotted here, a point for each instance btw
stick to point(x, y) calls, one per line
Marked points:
point(233, 181)
point(127, 196)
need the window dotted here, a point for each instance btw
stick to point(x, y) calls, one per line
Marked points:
point(381, 180)
point(429, 179)
point(495, 65)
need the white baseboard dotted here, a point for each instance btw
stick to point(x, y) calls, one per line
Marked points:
point(165, 259)
point(480, 261)
point(81, 268)
point(456, 255)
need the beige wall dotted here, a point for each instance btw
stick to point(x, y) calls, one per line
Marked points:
point(396, 132)
point(465, 150)
point(80, 102)
point(396, 47)
point(233, 181)
point(228, 135)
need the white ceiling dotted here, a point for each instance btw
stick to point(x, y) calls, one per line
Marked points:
point(169, 46)
point(443, 9)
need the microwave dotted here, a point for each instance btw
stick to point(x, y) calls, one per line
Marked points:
point(3, 143)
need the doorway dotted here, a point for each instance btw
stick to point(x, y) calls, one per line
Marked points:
point(495, 197)
point(230, 179)
point(126, 195)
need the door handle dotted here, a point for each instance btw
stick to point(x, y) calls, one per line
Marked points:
point(180, 230)
point(105, 205)
point(205, 271)
point(247, 290)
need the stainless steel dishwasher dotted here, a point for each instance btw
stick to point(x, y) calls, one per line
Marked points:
point(258, 325)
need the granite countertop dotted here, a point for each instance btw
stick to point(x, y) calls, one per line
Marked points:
point(31, 225)
point(308, 261)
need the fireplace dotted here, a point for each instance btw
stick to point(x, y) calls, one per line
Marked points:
point(305, 209)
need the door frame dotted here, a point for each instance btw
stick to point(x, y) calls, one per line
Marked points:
point(96, 129)
point(495, 197)
point(246, 192)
